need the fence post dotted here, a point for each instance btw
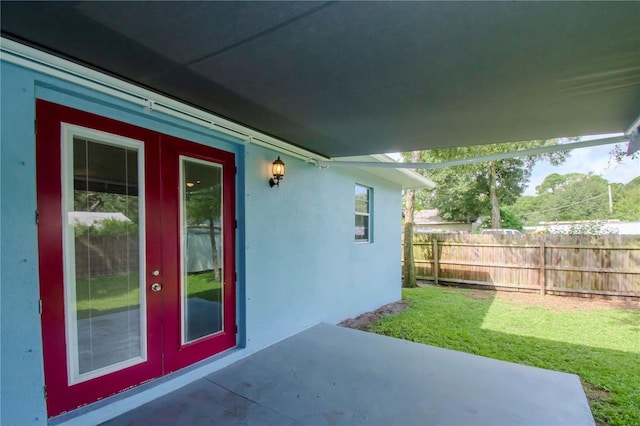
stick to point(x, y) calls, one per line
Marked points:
point(436, 267)
point(543, 273)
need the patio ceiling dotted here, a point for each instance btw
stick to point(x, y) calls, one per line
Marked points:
point(342, 79)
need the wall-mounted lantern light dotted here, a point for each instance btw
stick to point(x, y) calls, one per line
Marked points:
point(277, 169)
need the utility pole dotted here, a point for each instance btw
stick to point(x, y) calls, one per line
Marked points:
point(610, 200)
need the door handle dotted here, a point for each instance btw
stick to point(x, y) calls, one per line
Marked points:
point(156, 287)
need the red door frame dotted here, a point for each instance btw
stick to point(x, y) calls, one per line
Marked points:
point(162, 307)
point(176, 354)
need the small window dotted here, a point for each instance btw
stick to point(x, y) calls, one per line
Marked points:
point(363, 214)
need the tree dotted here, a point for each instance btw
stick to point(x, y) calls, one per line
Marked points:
point(108, 202)
point(551, 183)
point(619, 153)
point(466, 192)
point(626, 200)
point(577, 196)
point(409, 270)
point(203, 208)
point(508, 220)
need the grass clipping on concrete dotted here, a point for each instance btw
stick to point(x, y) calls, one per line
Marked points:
point(602, 346)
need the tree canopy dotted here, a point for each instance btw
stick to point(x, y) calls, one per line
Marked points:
point(466, 192)
point(577, 196)
point(203, 208)
point(95, 201)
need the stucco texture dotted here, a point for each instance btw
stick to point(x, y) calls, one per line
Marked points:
point(297, 262)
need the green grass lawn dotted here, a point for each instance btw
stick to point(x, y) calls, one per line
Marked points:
point(108, 294)
point(601, 346)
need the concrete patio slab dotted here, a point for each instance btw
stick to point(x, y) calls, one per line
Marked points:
point(333, 375)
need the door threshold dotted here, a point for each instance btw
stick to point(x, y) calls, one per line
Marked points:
point(113, 406)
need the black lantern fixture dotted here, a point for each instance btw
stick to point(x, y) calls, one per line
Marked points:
point(277, 169)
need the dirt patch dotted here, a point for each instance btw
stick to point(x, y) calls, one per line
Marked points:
point(556, 303)
point(362, 322)
point(596, 395)
point(482, 294)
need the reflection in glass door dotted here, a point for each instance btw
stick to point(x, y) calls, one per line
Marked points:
point(201, 246)
point(104, 258)
point(136, 244)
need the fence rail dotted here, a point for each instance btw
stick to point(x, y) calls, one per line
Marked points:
point(558, 264)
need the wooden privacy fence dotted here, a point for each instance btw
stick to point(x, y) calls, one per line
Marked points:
point(560, 264)
point(106, 255)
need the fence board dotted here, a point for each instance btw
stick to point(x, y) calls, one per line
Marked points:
point(603, 265)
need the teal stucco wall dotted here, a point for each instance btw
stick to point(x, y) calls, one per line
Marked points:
point(302, 263)
point(297, 262)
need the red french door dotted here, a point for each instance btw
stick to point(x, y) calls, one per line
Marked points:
point(136, 242)
point(199, 197)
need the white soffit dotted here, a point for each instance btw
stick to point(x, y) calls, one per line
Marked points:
point(409, 179)
point(358, 162)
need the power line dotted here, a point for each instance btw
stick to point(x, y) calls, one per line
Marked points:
point(568, 205)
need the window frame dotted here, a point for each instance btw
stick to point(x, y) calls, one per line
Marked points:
point(71, 132)
point(367, 214)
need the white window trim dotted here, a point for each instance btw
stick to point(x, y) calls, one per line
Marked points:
point(369, 239)
point(183, 257)
point(68, 132)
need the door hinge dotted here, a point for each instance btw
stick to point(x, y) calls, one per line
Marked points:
point(37, 217)
point(235, 223)
point(40, 306)
point(35, 127)
point(236, 328)
point(44, 390)
point(235, 276)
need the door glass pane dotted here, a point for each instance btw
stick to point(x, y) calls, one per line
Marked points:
point(103, 255)
point(201, 247)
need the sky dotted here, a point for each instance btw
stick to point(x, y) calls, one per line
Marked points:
point(592, 159)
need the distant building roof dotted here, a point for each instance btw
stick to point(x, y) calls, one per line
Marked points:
point(430, 217)
point(92, 218)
